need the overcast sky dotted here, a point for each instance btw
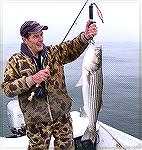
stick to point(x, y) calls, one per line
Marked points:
point(121, 19)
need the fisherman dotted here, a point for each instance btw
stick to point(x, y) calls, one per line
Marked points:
point(36, 75)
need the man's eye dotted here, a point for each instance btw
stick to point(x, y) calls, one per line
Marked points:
point(36, 36)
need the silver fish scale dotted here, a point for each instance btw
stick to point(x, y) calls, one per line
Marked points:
point(95, 80)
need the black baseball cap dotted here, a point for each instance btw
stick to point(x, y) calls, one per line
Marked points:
point(31, 26)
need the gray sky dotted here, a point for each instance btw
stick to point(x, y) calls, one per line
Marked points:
point(121, 19)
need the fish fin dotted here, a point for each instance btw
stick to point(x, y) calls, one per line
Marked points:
point(82, 112)
point(88, 135)
point(80, 82)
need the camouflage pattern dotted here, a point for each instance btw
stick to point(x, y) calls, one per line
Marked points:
point(40, 134)
point(20, 66)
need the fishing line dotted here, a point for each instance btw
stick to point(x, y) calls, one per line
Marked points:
point(99, 12)
point(119, 144)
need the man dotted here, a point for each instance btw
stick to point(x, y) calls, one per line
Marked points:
point(36, 75)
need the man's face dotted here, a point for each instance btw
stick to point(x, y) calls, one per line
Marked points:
point(34, 42)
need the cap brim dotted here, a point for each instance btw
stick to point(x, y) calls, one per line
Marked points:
point(44, 27)
point(39, 28)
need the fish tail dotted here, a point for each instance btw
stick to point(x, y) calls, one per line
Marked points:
point(89, 135)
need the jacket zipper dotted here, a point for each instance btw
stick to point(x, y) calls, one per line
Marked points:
point(49, 109)
point(47, 100)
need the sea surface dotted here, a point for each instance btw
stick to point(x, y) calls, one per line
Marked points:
point(121, 93)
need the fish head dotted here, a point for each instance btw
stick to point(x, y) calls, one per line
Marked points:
point(93, 58)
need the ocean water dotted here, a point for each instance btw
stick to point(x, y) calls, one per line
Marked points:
point(121, 93)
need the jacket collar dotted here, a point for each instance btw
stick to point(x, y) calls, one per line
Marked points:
point(27, 52)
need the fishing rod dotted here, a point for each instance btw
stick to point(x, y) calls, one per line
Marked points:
point(37, 85)
point(90, 16)
point(74, 21)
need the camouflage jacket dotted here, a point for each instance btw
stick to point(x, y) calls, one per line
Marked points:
point(18, 80)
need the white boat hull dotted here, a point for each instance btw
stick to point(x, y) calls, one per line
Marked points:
point(105, 141)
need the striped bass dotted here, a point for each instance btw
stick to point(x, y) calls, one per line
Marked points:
point(92, 86)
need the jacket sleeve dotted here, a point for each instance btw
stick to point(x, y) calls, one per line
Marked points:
point(13, 84)
point(70, 50)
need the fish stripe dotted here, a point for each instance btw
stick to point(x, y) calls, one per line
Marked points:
point(92, 88)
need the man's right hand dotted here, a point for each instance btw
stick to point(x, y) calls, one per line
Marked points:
point(41, 75)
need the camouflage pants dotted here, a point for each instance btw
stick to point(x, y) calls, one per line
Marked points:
point(40, 134)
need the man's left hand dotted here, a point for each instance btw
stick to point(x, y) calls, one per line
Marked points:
point(90, 30)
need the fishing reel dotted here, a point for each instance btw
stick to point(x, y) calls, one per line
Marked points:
point(41, 92)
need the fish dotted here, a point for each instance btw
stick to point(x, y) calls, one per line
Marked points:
point(92, 88)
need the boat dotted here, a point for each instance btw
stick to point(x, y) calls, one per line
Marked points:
point(108, 138)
